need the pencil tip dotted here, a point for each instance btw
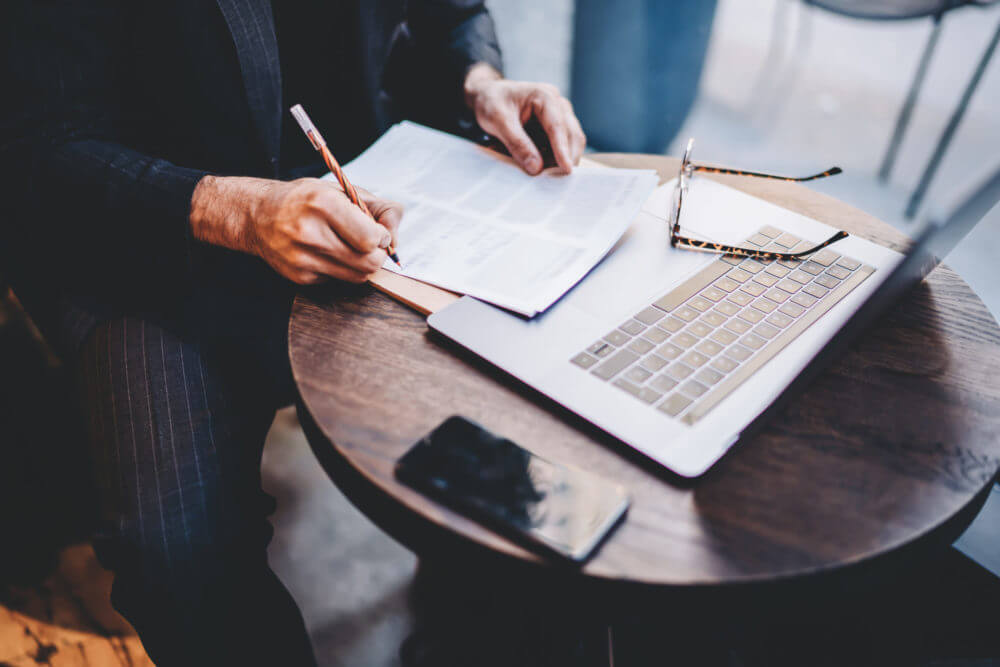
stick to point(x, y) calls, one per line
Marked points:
point(394, 257)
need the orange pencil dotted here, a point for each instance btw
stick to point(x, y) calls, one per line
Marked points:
point(320, 144)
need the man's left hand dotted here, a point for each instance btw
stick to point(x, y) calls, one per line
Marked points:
point(502, 108)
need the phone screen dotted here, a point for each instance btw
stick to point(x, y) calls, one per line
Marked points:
point(565, 510)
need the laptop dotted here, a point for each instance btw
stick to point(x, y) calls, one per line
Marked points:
point(679, 353)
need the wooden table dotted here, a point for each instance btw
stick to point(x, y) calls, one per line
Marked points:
point(889, 452)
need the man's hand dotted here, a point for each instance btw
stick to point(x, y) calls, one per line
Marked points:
point(307, 230)
point(503, 107)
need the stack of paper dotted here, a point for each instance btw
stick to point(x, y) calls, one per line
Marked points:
point(475, 223)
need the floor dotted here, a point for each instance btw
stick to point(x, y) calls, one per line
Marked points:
point(837, 103)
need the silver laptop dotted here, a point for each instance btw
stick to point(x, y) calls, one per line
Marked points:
point(677, 353)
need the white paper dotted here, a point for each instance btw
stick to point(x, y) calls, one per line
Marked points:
point(475, 223)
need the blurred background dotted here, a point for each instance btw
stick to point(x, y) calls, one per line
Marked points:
point(773, 85)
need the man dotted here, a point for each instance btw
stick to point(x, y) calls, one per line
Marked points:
point(158, 217)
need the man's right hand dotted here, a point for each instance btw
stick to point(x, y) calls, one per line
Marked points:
point(307, 230)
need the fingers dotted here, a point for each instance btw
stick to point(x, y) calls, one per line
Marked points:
point(551, 113)
point(387, 213)
point(348, 221)
point(319, 240)
point(578, 140)
point(506, 126)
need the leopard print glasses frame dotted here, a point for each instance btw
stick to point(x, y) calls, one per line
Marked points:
point(687, 171)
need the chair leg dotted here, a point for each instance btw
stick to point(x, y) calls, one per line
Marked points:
point(903, 120)
point(949, 130)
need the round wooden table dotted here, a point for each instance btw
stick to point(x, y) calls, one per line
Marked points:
point(891, 450)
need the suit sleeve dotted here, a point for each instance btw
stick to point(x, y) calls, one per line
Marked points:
point(443, 40)
point(89, 200)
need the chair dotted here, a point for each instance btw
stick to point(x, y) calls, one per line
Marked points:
point(891, 10)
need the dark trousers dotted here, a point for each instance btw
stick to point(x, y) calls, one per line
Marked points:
point(177, 429)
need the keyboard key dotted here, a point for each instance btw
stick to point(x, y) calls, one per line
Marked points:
point(649, 315)
point(723, 337)
point(816, 291)
point(633, 327)
point(801, 277)
point(738, 352)
point(600, 349)
point(739, 275)
point(765, 279)
point(713, 319)
point(622, 383)
point(752, 266)
point(779, 320)
point(637, 374)
point(813, 268)
point(614, 364)
point(740, 298)
point(708, 377)
point(731, 259)
point(751, 315)
point(647, 395)
point(777, 270)
point(714, 294)
point(827, 281)
point(663, 383)
point(669, 351)
point(695, 359)
point(694, 389)
point(616, 338)
point(787, 240)
point(671, 324)
point(584, 360)
point(700, 304)
point(753, 289)
point(726, 284)
point(674, 405)
point(686, 313)
point(640, 345)
point(765, 330)
point(792, 310)
point(770, 232)
point(789, 263)
point(679, 371)
point(777, 295)
point(684, 339)
point(825, 257)
point(709, 348)
point(789, 285)
point(653, 362)
point(804, 300)
point(765, 305)
point(677, 296)
point(753, 341)
point(699, 329)
point(849, 264)
point(838, 272)
point(738, 326)
point(724, 364)
point(655, 335)
point(758, 240)
point(727, 308)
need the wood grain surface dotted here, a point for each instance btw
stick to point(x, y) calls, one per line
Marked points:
point(889, 445)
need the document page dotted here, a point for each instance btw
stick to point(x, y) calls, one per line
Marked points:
point(475, 223)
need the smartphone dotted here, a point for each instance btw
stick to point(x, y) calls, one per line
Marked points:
point(557, 509)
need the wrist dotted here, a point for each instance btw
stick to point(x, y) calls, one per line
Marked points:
point(224, 211)
point(478, 78)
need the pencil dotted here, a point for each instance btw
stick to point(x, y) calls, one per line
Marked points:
point(320, 144)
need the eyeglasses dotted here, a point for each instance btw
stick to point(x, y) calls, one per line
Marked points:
point(687, 171)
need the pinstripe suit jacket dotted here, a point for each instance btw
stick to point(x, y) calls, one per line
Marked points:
point(119, 107)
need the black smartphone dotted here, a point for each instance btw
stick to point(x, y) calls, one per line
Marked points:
point(562, 510)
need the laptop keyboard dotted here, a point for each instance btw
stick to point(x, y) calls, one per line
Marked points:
point(695, 345)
